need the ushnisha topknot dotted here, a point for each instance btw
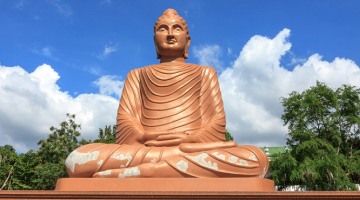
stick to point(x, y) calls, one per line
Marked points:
point(171, 13)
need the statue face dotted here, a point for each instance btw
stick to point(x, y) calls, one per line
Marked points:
point(171, 39)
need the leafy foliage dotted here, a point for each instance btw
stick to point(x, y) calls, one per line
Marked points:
point(8, 160)
point(53, 152)
point(39, 170)
point(108, 135)
point(324, 135)
point(24, 172)
point(228, 136)
point(61, 142)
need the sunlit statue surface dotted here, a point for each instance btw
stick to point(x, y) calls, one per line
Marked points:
point(170, 121)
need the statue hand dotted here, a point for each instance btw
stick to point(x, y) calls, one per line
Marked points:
point(171, 139)
point(148, 136)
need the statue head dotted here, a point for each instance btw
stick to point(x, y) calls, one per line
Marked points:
point(172, 37)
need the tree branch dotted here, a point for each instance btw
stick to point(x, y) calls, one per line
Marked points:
point(8, 177)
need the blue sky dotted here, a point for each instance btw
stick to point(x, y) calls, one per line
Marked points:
point(88, 47)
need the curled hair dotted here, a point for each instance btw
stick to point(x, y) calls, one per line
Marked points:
point(171, 13)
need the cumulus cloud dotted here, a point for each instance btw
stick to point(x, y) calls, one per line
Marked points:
point(209, 55)
point(253, 85)
point(110, 85)
point(32, 102)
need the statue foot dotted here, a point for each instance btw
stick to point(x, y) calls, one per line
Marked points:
point(160, 169)
point(118, 173)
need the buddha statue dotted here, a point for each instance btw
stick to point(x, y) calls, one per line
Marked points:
point(170, 121)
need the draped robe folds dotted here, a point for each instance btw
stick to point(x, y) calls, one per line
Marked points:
point(173, 98)
point(168, 98)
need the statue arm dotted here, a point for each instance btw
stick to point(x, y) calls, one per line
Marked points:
point(212, 109)
point(128, 126)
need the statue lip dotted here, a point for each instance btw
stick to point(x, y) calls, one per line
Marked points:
point(172, 41)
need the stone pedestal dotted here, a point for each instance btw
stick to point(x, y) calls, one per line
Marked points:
point(166, 184)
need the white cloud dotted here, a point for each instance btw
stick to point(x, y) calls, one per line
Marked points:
point(253, 85)
point(296, 61)
point(110, 85)
point(209, 55)
point(95, 70)
point(107, 51)
point(32, 102)
point(46, 51)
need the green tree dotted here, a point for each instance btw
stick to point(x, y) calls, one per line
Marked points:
point(107, 135)
point(8, 161)
point(323, 137)
point(228, 136)
point(17, 170)
point(61, 142)
point(39, 170)
point(53, 152)
point(24, 172)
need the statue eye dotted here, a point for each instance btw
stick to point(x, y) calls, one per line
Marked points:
point(178, 29)
point(161, 29)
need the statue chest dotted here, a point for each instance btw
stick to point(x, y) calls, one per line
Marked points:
point(171, 101)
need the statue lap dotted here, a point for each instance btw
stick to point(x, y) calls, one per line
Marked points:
point(120, 161)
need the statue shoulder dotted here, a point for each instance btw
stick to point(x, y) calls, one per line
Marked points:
point(133, 78)
point(134, 73)
point(208, 71)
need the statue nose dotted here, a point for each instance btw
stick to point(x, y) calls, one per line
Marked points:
point(170, 36)
point(170, 33)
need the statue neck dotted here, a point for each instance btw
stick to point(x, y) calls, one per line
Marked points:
point(172, 59)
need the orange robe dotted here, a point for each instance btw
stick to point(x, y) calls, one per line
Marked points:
point(164, 97)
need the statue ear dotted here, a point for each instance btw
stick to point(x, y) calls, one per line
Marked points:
point(158, 56)
point(186, 53)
